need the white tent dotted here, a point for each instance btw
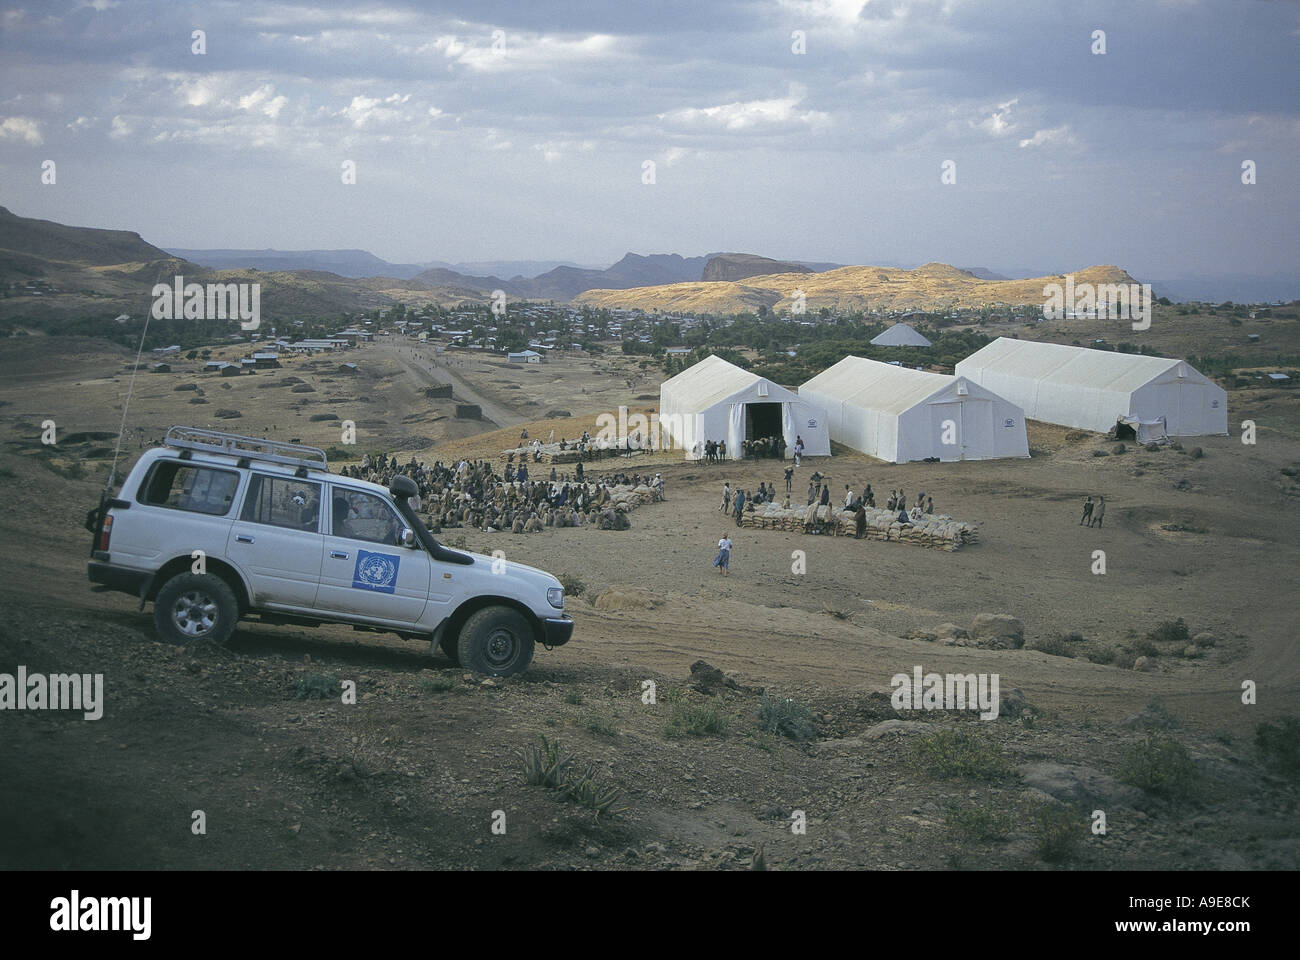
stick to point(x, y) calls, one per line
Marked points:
point(900, 335)
point(899, 415)
point(1092, 389)
point(717, 400)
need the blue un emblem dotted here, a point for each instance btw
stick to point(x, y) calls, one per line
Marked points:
point(376, 571)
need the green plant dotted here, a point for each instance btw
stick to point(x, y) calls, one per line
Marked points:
point(601, 726)
point(437, 684)
point(786, 717)
point(979, 824)
point(951, 754)
point(1103, 655)
point(573, 586)
point(546, 765)
point(585, 790)
point(573, 697)
point(1054, 644)
point(1160, 765)
point(1146, 647)
point(315, 686)
point(1169, 631)
point(1278, 742)
point(696, 720)
point(1057, 831)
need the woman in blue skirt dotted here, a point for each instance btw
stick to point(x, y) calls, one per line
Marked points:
point(724, 554)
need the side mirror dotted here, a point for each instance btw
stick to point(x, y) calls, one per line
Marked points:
point(407, 539)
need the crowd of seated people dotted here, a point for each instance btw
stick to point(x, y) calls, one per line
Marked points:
point(473, 494)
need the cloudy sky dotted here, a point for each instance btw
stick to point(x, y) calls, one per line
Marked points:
point(512, 130)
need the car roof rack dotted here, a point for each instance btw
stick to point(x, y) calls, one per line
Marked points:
point(251, 448)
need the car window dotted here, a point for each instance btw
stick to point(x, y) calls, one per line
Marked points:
point(363, 516)
point(282, 502)
point(183, 486)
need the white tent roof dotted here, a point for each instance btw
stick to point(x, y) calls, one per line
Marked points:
point(1073, 366)
point(900, 335)
point(881, 386)
point(712, 381)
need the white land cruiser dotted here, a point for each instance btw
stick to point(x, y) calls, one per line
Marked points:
point(283, 540)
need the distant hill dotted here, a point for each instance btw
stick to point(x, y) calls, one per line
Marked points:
point(512, 268)
point(441, 276)
point(346, 263)
point(564, 283)
point(931, 286)
point(740, 266)
point(634, 270)
point(48, 240)
point(984, 273)
point(86, 271)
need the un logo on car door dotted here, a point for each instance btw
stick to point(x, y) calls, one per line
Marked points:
point(376, 571)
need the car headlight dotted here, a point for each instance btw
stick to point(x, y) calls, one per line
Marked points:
point(555, 597)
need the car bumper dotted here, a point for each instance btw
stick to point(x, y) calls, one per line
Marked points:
point(118, 578)
point(557, 631)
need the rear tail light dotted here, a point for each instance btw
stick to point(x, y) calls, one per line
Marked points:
point(105, 531)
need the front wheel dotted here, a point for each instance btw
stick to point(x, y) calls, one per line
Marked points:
point(449, 645)
point(195, 607)
point(497, 641)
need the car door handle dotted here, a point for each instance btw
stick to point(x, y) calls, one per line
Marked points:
point(243, 538)
point(338, 555)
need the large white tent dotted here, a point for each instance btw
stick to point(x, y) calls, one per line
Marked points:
point(900, 335)
point(1092, 389)
point(898, 414)
point(717, 400)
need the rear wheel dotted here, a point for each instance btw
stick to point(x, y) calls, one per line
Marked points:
point(497, 641)
point(195, 607)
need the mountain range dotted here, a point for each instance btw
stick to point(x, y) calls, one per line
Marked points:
point(53, 269)
point(357, 263)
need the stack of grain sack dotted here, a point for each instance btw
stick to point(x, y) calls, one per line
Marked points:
point(941, 532)
point(630, 498)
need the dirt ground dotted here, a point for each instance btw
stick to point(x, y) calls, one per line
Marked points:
point(418, 771)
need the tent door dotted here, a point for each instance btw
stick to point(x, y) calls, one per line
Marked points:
point(946, 424)
point(763, 420)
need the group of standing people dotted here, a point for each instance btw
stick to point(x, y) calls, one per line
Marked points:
point(715, 451)
point(1093, 510)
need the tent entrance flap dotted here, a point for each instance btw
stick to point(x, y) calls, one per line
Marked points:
point(735, 431)
point(1143, 431)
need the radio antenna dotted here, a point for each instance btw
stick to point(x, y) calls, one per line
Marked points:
point(112, 473)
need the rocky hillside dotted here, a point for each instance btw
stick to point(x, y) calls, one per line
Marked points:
point(89, 272)
point(929, 287)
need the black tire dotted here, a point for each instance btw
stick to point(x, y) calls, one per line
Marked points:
point(497, 641)
point(193, 606)
point(448, 646)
